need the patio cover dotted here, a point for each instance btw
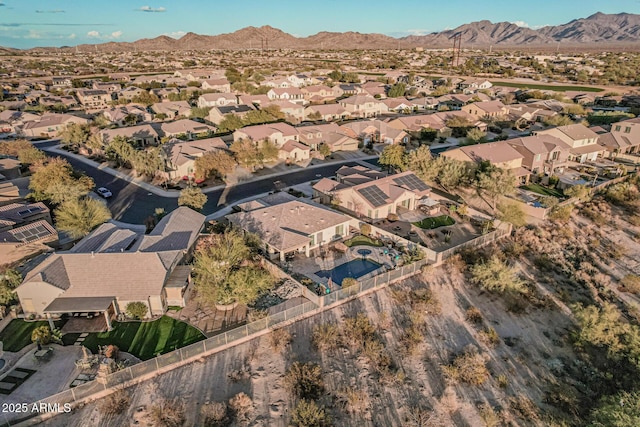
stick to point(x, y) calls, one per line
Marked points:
point(79, 304)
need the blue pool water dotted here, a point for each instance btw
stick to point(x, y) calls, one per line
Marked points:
point(356, 268)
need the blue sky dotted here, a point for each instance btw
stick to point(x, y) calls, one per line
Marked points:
point(29, 23)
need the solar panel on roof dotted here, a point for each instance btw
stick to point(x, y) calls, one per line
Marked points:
point(31, 234)
point(374, 195)
point(412, 182)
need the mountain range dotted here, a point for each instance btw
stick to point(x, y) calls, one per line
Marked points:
point(598, 30)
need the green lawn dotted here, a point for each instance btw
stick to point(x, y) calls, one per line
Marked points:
point(545, 191)
point(435, 222)
point(549, 87)
point(17, 334)
point(362, 241)
point(144, 340)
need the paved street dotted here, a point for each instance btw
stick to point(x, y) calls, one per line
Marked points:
point(133, 204)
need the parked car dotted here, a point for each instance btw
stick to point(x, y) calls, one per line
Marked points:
point(104, 192)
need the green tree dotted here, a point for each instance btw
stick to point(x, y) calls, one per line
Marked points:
point(217, 162)
point(41, 334)
point(268, 151)
point(79, 217)
point(246, 153)
point(229, 123)
point(324, 149)
point(393, 156)
point(495, 183)
point(192, 197)
point(74, 135)
point(10, 279)
point(56, 181)
point(136, 310)
point(397, 90)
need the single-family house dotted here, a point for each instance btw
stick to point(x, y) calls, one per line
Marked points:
point(188, 129)
point(293, 226)
point(181, 155)
point(373, 197)
point(217, 99)
point(140, 135)
point(91, 98)
point(583, 141)
point(149, 268)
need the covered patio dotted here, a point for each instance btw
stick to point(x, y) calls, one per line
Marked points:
point(86, 314)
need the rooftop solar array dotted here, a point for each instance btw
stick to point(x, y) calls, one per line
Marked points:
point(374, 195)
point(411, 182)
point(32, 233)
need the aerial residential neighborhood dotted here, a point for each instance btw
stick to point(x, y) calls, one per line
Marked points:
point(337, 223)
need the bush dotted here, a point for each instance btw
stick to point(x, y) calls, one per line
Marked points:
point(41, 334)
point(470, 367)
point(279, 340)
point(309, 414)
point(115, 404)
point(304, 380)
point(326, 337)
point(136, 310)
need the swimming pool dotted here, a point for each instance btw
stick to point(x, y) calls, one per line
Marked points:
point(355, 268)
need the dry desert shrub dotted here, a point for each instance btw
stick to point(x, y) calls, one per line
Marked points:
point(354, 401)
point(116, 403)
point(215, 414)
point(279, 340)
point(473, 315)
point(469, 367)
point(326, 337)
point(241, 406)
point(167, 413)
point(304, 380)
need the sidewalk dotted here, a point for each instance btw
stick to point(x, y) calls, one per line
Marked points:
point(174, 193)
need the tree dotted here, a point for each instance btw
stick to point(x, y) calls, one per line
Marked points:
point(79, 217)
point(229, 123)
point(136, 310)
point(620, 410)
point(495, 276)
point(324, 149)
point(393, 156)
point(192, 197)
point(74, 135)
point(217, 162)
point(421, 162)
point(41, 334)
point(397, 90)
point(307, 413)
point(495, 183)
point(511, 213)
point(268, 151)
point(56, 181)
point(10, 279)
point(476, 136)
point(246, 153)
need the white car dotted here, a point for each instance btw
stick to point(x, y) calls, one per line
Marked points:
point(104, 192)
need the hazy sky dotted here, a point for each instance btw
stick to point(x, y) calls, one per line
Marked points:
point(29, 23)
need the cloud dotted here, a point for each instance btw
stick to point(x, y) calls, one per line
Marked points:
point(176, 34)
point(98, 35)
point(151, 9)
point(50, 11)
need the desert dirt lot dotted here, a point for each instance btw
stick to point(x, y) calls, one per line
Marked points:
point(439, 350)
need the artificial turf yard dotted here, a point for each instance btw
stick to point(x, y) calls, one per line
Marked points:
point(17, 334)
point(144, 340)
point(435, 222)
